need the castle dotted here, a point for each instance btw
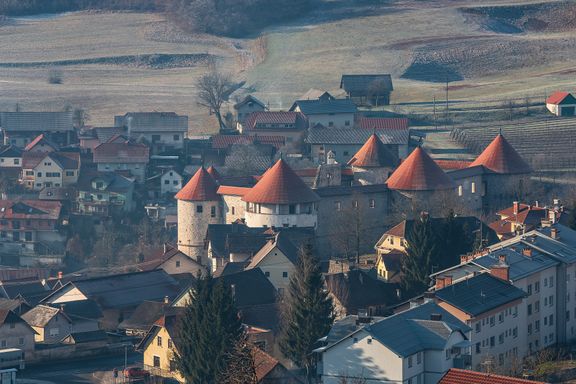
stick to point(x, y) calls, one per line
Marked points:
point(349, 206)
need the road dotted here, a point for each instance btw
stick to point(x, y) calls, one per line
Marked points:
point(96, 370)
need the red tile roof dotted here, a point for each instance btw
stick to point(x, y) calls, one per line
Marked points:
point(419, 173)
point(214, 173)
point(226, 141)
point(373, 154)
point(30, 209)
point(383, 123)
point(500, 157)
point(280, 185)
point(462, 376)
point(399, 230)
point(557, 97)
point(201, 187)
point(123, 152)
point(38, 139)
point(230, 190)
point(452, 164)
point(527, 214)
point(263, 363)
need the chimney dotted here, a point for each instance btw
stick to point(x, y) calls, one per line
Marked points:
point(502, 259)
point(428, 297)
point(398, 294)
point(527, 252)
point(447, 280)
point(545, 223)
point(165, 248)
point(553, 216)
point(60, 274)
point(516, 207)
point(537, 204)
point(436, 316)
point(501, 271)
point(439, 282)
point(554, 233)
point(166, 300)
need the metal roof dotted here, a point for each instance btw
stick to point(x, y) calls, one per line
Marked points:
point(520, 265)
point(356, 136)
point(362, 83)
point(320, 107)
point(37, 121)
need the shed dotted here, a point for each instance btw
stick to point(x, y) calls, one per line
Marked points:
point(561, 104)
point(372, 89)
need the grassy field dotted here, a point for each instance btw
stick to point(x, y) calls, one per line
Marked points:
point(111, 64)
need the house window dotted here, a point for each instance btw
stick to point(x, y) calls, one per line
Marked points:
point(473, 187)
point(529, 290)
point(551, 300)
point(447, 354)
point(177, 266)
point(155, 138)
point(418, 357)
point(173, 366)
point(175, 182)
point(501, 339)
point(159, 341)
point(551, 320)
point(21, 341)
point(292, 209)
point(156, 361)
point(372, 203)
point(29, 173)
point(338, 205)
point(501, 359)
point(492, 341)
point(267, 273)
point(16, 161)
point(213, 211)
point(347, 123)
point(176, 137)
point(537, 306)
point(285, 274)
point(551, 281)
point(537, 326)
point(169, 343)
point(529, 329)
point(478, 327)
point(54, 332)
point(12, 325)
point(233, 211)
point(3, 343)
point(69, 173)
point(529, 309)
point(39, 174)
point(199, 209)
point(166, 182)
point(477, 347)
point(537, 287)
point(501, 317)
point(515, 332)
point(330, 123)
point(28, 236)
point(409, 361)
point(459, 190)
point(492, 321)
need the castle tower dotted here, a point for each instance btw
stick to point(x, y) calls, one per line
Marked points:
point(422, 181)
point(281, 199)
point(198, 206)
point(373, 163)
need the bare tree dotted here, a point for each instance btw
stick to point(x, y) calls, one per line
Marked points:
point(376, 90)
point(214, 89)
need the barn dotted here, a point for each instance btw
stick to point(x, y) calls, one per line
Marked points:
point(368, 89)
point(561, 104)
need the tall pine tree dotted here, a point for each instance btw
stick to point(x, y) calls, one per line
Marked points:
point(209, 332)
point(420, 253)
point(308, 313)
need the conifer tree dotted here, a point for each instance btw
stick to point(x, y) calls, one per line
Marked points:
point(308, 313)
point(420, 253)
point(209, 332)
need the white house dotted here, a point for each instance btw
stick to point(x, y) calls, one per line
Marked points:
point(122, 155)
point(55, 169)
point(170, 182)
point(10, 157)
point(413, 347)
point(561, 104)
point(337, 113)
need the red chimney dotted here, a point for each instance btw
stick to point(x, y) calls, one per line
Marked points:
point(527, 252)
point(516, 207)
point(60, 274)
point(502, 258)
point(439, 282)
point(501, 271)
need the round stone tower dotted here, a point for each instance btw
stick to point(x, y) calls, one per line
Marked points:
point(373, 163)
point(198, 206)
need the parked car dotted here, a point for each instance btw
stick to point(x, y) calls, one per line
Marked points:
point(136, 373)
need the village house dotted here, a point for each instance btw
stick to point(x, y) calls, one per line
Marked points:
point(16, 333)
point(10, 157)
point(53, 169)
point(518, 219)
point(170, 182)
point(30, 232)
point(344, 143)
point(41, 145)
point(144, 317)
point(246, 107)
point(103, 193)
point(415, 346)
point(91, 137)
point(561, 104)
point(122, 156)
point(493, 308)
point(317, 94)
point(51, 324)
point(338, 113)
point(463, 376)
point(20, 128)
point(162, 131)
point(173, 262)
point(368, 89)
point(288, 125)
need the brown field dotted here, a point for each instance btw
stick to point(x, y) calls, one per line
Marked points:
point(118, 62)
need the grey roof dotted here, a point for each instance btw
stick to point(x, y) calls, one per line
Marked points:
point(144, 315)
point(345, 326)
point(40, 315)
point(85, 337)
point(238, 237)
point(356, 136)
point(81, 310)
point(479, 294)
point(31, 291)
point(36, 121)
point(361, 83)
point(103, 134)
point(520, 265)
point(124, 290)
point(412, 331)
point(464, 173)
point(152, 122)
point(319, 107)
point(283, 243)
point(10, 151)
point(251, 288)
point(247, 99)
point(562, 249)
point(18, 306)
point(113, 182)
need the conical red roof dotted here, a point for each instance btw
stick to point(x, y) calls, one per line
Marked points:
point(373, 154)
point(419, 173)
point(500, 157)
point(214, 172)
point(280, 185)
point(201, 187)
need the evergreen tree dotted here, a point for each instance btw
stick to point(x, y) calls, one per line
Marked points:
point(420, 254)
point(209, 332)
point(453, 240)
point(308, 313)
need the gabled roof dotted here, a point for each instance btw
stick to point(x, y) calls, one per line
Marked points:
point(377, 123)
point(37, 121)
point(10, 151)
point(500, 157)
point(251, 288)
point(9, 317)
point(527, 214)
point(144, 316)
point(283, 243)
point(464, 376)
point(316, 94)
point(201, 187)
point(81, 310)
point(237, 238)
point(249, 99)
point(226, 141)
point(561, 98)
point(65, 160)
point(280, 185)
point(519, 265)
point(418, 172)
point(171, 322)
point(152, 122)
point(125, 152)
point(30, 209)
point(373, 154)
point(479, 294)
point(265, 120)
point(214, 173)
point(323, 135)
point(40, 315)
point(41, 139)
point(362, 83)
point(320, 107)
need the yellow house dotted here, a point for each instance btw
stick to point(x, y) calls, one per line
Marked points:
point(390, 248)
point(159, 346)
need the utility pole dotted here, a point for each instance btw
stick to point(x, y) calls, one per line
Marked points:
point(446, 120)
point(435, 122)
